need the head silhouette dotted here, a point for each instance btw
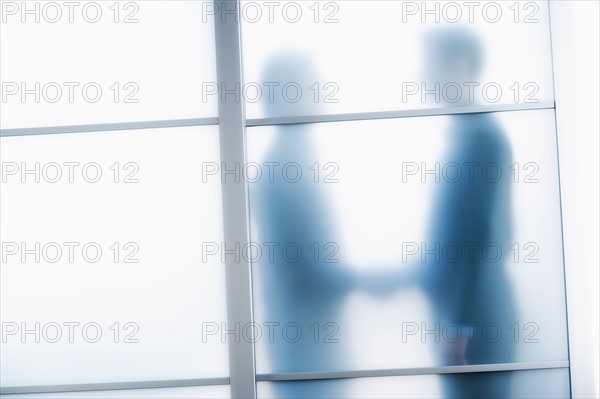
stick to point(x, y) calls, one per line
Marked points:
point(453, 56)
point(291, 74)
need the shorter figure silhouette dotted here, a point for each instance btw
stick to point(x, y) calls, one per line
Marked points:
point(307, 289)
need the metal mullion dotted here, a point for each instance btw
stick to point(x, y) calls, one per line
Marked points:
point(235, 199)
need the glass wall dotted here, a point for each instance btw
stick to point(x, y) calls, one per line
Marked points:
point(280, 199)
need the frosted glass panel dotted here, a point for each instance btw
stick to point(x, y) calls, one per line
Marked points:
point(106, 262)
point(407, 242)
point(358, 56)
point(551, 383)
point(208, 392)
point(100, 62)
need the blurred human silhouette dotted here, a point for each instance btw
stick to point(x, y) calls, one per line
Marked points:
point(473, 291)
point(304, 288)
point(470, 288)
point(474, 212)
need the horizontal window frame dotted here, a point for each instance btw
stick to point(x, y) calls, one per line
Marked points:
point(397, 114)
point(111, 386)
point(458, 369)
point(276, 121)
point(108, 127)
point(281, 377)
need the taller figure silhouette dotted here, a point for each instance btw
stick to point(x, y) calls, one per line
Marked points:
point(474, 212)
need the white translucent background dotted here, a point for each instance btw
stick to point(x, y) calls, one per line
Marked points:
point(373, 211)
point(169, 293)
point(369, 48)
point(168, 53)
